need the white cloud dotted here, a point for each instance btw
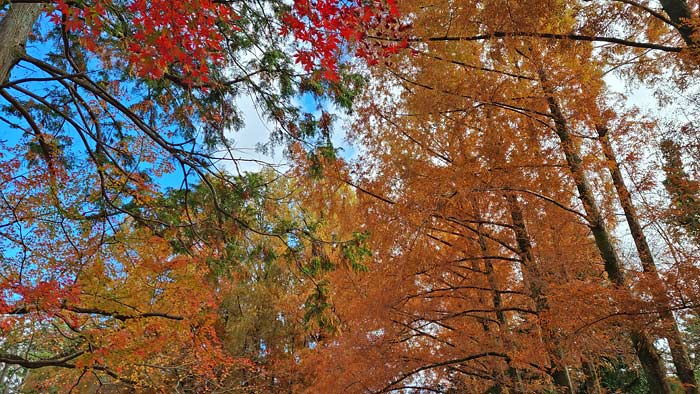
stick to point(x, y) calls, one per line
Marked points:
point(247, 140)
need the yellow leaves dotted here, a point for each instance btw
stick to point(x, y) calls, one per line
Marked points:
point(142, 310)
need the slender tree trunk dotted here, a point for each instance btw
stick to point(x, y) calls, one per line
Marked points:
point(536, 284)
point(513, 374)
point(15, 28)
point(683, 191)
point(643, 345)
point(651, 362)
point(679, 353)
point(592, 383)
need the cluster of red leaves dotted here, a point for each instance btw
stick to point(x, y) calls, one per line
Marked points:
point(47, 296)
point(175, 32)
point(184, 35)
point(324, 25)
point(164, 34)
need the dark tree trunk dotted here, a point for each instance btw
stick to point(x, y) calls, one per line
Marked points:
point(643, 344)
point(681, 360)
point(532, 274)
point(651, 362)
point(497, 299)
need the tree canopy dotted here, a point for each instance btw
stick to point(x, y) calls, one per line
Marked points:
point(509, 213)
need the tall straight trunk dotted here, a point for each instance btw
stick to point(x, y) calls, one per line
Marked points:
point(684, 192)
point(15, 28)
point(497, 300)
point(679, 353)
point(536, 285)
point(643, 345)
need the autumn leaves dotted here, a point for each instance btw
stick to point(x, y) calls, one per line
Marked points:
point(508, 228)
point(504, 188)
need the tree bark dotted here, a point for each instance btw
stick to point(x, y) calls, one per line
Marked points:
point(15, 28)
point(679, 353)
point(536, 285)
point(602, 237)
point(513, 373)
point(643, 345)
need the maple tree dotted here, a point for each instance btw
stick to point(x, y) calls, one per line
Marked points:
point(119, 96)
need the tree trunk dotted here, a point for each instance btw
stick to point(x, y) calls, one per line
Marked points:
point(602, 237)
point(15, 28)
point(651, 362)
point(513, 373)
point(536, 285)
point(684, 192)
point(681, 360)
point(644, 347)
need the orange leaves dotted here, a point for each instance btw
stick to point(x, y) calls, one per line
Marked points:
point(456, 255)
point(133, 310)
point(449, 135)
point(161, 341)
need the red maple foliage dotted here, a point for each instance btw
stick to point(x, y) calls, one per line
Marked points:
point(324, 25)
point(187, 35)
point(164, 33)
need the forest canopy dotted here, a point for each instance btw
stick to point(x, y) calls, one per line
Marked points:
point(514, 207)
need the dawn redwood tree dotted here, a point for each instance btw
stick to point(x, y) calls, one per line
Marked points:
point(678, 349)
point(683, 191)
point(484, 60)
point(434, 202)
